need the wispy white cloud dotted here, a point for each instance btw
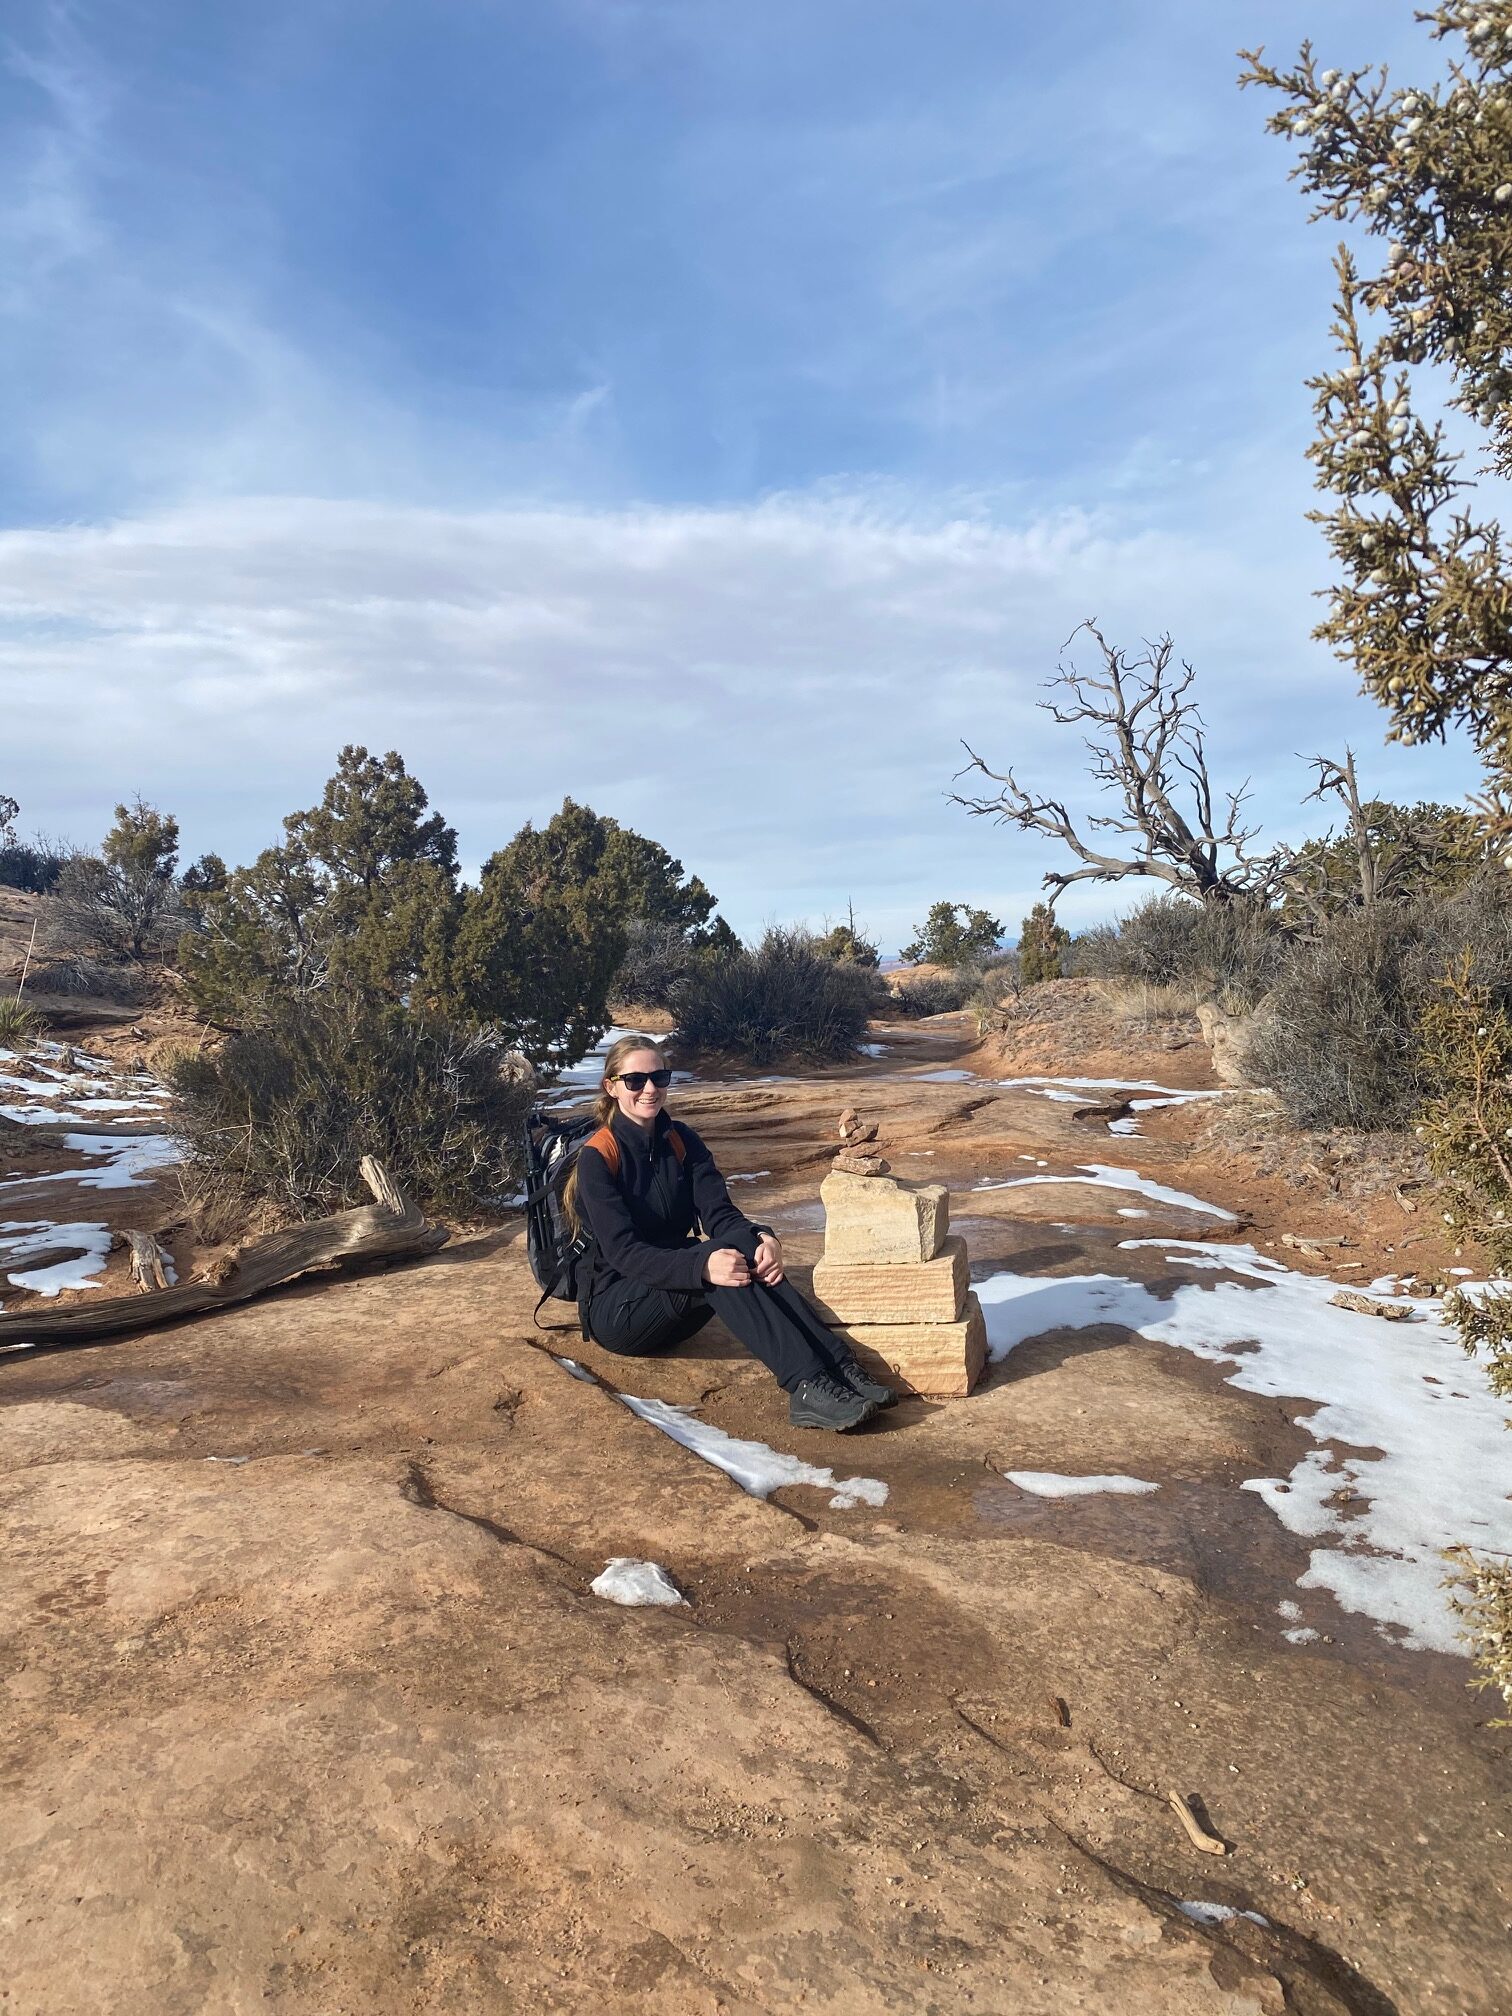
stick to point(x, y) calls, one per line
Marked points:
point(776, 692)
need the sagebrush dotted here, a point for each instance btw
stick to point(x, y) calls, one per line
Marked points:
point(778, 1000)
point(282, 1114)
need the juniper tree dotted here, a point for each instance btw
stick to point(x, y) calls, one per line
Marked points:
point(122, 901)
point(953, 934)
point(1421, 605)
point(1041, 943)
point(363, 890)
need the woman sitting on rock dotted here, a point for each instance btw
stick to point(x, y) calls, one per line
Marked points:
point(641, 1183)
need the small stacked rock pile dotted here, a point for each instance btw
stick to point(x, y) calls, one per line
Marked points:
point(892, 1280)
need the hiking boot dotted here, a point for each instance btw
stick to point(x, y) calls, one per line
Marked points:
point(822, 1402)
point(864, 1386)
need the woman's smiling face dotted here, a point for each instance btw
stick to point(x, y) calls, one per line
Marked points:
point(642, 1106)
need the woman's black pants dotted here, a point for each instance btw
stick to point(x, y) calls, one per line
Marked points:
point(775, 1325)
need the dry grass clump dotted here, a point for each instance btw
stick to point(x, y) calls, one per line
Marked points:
point(19, 1023)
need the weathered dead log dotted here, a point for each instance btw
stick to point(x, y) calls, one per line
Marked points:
point(389, 1228)
point(147, 1259)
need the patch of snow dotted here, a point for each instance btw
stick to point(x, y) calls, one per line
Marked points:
point(1050, 1092)
point(752, 1465)
point(1103, 1174)
point(1131, 1211)
point(129, 1158)
point(754, 1176)
point(636, 1584)
point(874, 1049)
point(1372, 1385)
point(35, 1236)
point(954, 1077)
point(1112, 1085)
point(1051, 1484)
point(1289, 1612)
point(1300, 1634)
point(1202, 1913)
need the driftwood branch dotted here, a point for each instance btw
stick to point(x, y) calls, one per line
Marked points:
point(386, 1229)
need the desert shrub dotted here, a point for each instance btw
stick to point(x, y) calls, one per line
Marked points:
point(33, 865)
point(1342, 1039)
point(933, 993)
point(1230, 951)
point(846, 941)
point(658, 958)
point(79, 973)
point(1481, 1593)
point(1337, 1041)
point(1466, 1126)
point(1093, 954)
point(282, 1114)
point(778, 999)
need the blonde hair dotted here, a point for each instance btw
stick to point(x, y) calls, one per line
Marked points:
point(604, 1109)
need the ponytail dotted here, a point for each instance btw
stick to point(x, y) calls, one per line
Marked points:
point(604, 1109)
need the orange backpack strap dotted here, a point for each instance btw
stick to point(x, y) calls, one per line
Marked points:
point(608, 1147)
point(603, 1139)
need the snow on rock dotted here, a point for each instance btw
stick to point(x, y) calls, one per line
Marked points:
point(37, 1235)
point(126, 1160)
point(1051, 1484)
point(636, 1584)
point(1398, 1416)
point(752, 1465)
point(1105, 1176)
point(1202, 1913)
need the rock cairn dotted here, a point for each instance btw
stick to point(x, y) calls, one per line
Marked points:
point(893, 1281)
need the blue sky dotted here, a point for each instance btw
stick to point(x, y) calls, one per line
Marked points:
point(709, 412)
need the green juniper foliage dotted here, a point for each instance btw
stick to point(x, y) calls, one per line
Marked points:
point(1041, 943)
point(1422, 607)
point(953, 934)
point(543, 935)
point(1467, 1129)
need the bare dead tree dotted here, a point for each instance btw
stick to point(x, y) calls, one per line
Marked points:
point(1145, 741)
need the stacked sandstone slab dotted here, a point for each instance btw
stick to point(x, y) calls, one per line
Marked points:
point(894, 1283)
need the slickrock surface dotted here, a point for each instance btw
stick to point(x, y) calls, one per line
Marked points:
point(309, 1707)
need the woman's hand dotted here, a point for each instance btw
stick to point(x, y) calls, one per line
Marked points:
point(725, 1268)
point(769, 1260)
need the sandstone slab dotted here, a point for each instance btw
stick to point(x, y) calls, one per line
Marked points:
point(882, 1220)
point(942, 1361)
point(932, 1292)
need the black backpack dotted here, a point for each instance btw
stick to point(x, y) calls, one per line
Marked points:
point(561, 1259)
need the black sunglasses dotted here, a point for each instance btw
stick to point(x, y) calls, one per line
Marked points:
point(637, 1081)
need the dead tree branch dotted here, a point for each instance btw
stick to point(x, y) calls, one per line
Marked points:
point(1145, 740)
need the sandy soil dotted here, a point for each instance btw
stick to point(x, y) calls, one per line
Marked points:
point(310, 1706)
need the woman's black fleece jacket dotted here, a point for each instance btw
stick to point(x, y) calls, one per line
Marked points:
point(642, 1224)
